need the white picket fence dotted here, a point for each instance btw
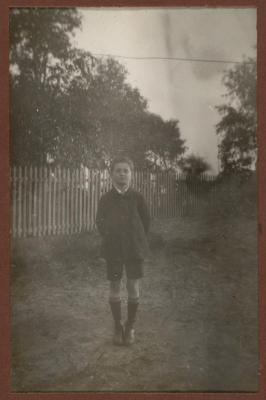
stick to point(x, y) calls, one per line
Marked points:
point(47, 201)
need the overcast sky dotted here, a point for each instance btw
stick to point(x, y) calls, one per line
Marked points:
point(187, 91)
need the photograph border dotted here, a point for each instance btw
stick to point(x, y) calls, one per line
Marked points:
point(5, 298)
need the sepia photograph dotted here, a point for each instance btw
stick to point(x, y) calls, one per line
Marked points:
point(133, 199)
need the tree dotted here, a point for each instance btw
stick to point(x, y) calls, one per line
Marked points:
point(194, 166)
point(238, 126)
point(164, 143)
point(38, 38)
point(39, 41)
point(74, 107)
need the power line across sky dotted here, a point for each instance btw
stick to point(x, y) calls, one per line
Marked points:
point(172, 59)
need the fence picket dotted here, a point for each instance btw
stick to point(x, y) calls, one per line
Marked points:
point(181, 196)
point(71, 199)
point(163, 194)
point(177, 197)
point(84, 202)
point(152, 193)
point(168, 195)
point(89, 203)
point(74, 202)
point(80, 199)
point(96, 195)
point(63, 201)
point(165, 205)
point(149, 190)
point(54, 184)
point(49, 224)
point(58, 201)
point(156, 194)
point(170, 185)
point(175, 184)
point(173, 193)
point(159, 194)
point(68, 201)
point(96, 188)
point(45, 202)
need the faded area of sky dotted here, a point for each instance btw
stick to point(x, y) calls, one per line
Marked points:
point(187, 91)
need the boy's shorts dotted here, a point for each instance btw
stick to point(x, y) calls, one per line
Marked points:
point(134, 269)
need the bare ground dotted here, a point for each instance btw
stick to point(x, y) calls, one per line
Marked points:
point(197, 323)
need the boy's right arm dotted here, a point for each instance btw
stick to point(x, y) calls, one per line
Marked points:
point(100, 217)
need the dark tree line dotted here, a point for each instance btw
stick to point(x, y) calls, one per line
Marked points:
point(70, 107)
point(73, 108)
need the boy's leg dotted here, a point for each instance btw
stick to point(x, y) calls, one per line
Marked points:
point(132, 307)
point(115, 291)
point(115, 304)
point(133, 290)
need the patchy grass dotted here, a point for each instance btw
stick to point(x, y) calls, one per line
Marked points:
point(196, 327)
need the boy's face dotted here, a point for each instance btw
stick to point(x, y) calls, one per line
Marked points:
point(121, 174)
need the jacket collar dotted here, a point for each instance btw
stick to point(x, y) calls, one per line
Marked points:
point(116, 190)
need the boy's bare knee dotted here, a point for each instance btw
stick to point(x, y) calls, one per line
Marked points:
point(133, 289)
point(115, 290)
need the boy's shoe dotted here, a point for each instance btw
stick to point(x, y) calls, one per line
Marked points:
point(119, 334)
point(129, 338)
point(129, 331)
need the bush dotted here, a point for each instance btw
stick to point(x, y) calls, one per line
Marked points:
point(236, 195)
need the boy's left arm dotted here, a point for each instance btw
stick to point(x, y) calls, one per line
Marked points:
point(144, 213)
point(100, 217)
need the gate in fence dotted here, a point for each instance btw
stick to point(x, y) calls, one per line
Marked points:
point(52, 201)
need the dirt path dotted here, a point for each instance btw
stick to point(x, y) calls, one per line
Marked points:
point(196, 329)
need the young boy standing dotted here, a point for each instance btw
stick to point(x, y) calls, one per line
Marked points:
point(123, 221)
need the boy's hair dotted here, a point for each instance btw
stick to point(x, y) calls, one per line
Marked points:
point(121, 159)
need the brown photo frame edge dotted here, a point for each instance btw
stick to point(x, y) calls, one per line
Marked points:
point(5, 351)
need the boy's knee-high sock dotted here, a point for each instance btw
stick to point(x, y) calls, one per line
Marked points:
point(116, 311)
point(132, 307)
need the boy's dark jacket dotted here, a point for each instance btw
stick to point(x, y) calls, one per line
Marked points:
point(123, 221)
